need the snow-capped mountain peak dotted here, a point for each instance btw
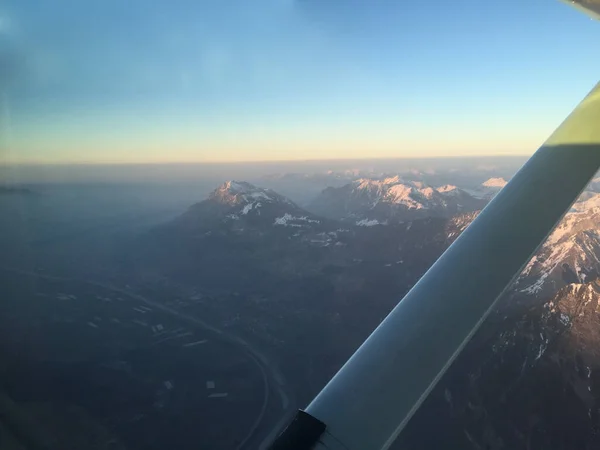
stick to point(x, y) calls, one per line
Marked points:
point(392, 199)
point(234, 193)
point(447, 188)
point(241, 207)
point(495, 182)
point(571, 254)
point(238, 186)
point(405, 194)
point(392, 180)
point(393, 190)
point(489, 188)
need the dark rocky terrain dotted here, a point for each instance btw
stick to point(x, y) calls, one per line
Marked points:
point(307, 290)
point(312, 289)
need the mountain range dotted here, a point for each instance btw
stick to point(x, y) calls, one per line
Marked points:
point(529, 379)
point(570, 255)
point(310, 287)
point(395, 199)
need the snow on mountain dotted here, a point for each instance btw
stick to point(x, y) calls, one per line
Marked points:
point(287, 220)
point(239, 206)
point(495, 183)
point(459, 223)
point(392, 198)
point(488, 189)
point(367, 223)
point(241, 193)
point(573, 314)
point(448, 188)
point(539, 359)
point(576, 300)
point(410, 196)
point(588, 201)
point(245, 199)
point(571, 254)
point(594, 185)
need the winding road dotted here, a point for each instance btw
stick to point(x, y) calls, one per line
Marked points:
point(273, 381)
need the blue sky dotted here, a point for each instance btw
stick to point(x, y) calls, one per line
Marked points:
point(237, 80)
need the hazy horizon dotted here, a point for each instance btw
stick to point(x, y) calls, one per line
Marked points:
point(186, 172)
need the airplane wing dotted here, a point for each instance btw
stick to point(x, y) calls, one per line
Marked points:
point(590, 7)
